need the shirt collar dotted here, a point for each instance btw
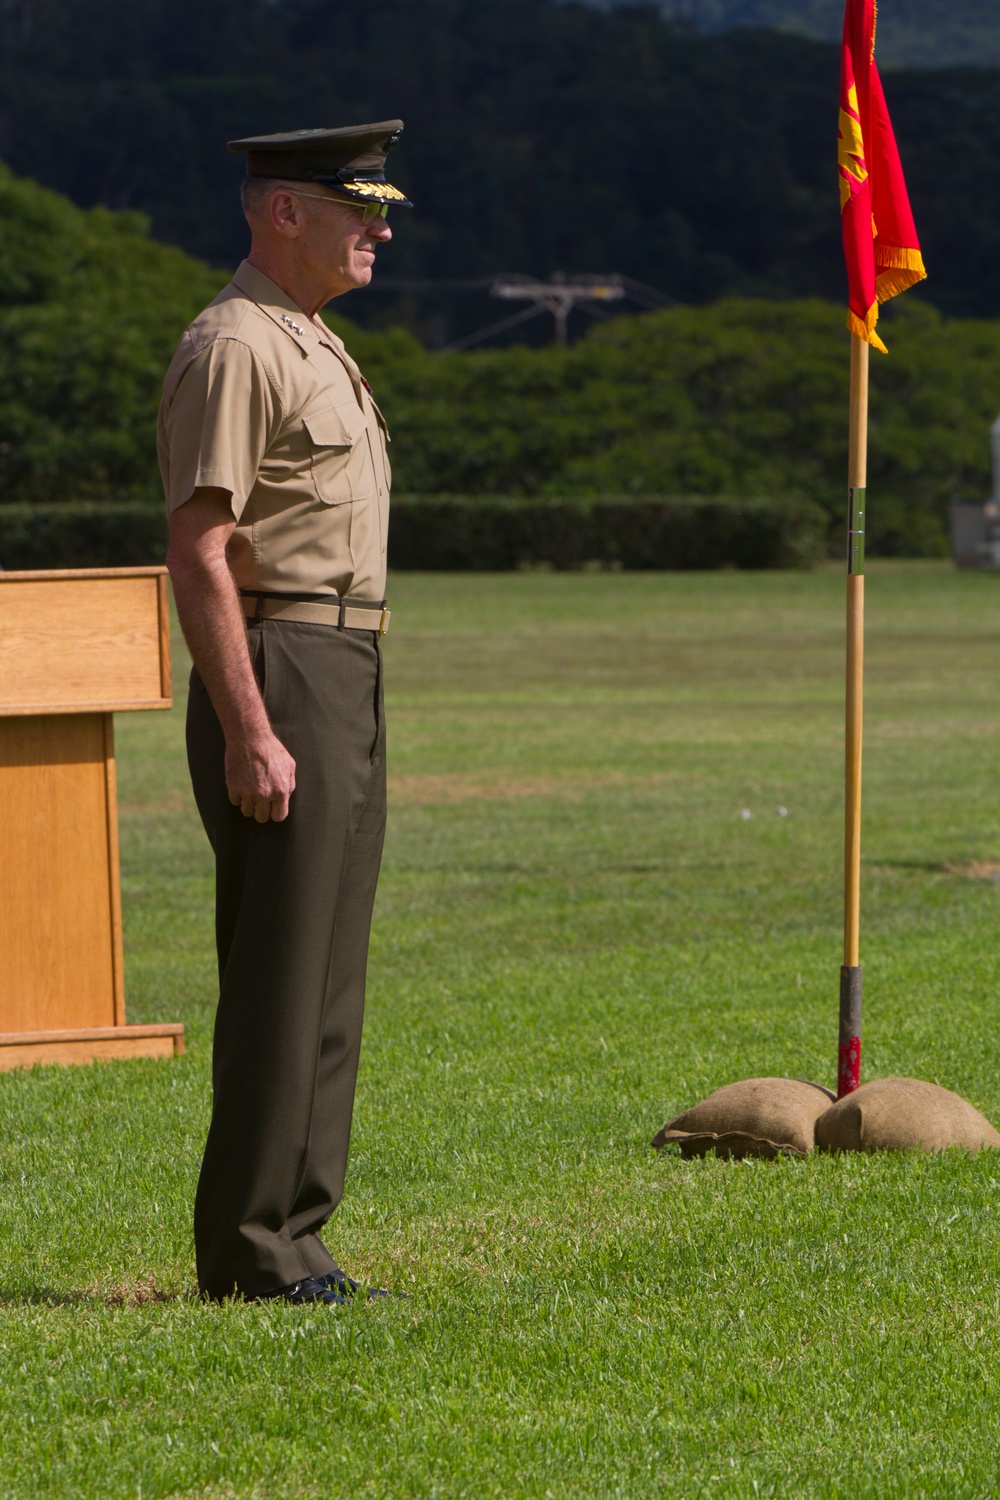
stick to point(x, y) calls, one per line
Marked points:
point(308, 333)
point(280, 308)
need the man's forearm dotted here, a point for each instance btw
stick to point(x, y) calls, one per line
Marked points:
point(211, 617)
point(260, 772)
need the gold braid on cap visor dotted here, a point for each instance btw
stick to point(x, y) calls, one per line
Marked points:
point(375, 190)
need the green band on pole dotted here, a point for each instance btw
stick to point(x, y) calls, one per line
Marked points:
point(855, 531)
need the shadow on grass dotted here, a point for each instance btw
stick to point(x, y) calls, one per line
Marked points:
point(929, 866)
point(975, 869)
point(139, 1294)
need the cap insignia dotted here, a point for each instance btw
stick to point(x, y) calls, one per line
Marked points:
point(384, 191)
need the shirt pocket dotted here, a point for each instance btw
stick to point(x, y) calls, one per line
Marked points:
point(339, 454)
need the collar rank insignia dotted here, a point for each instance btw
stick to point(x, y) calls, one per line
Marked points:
point(286, 319)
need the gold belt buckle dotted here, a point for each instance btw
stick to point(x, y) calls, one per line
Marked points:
point(383, 621)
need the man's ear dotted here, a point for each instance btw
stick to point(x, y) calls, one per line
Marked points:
point(285, 215)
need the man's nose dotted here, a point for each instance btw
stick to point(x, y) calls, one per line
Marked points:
point(378, 229)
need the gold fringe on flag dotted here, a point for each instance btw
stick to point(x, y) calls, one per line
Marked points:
point(895, 255)
point(864, 327)
point(897, 270)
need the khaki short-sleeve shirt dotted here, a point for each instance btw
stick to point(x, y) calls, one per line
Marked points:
point(265, 402)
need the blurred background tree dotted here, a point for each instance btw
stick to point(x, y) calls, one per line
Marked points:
point(742, 397)
point(540, 138)
point(90, 312)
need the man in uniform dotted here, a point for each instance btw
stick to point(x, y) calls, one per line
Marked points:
point(273, 458)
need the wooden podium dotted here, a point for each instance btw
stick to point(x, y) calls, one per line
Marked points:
point(75, 647)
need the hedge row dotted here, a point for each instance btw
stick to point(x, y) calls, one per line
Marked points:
point(489, 533)
point(478, 533)
point(82, 534)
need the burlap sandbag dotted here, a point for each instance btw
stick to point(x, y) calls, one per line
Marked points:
point(758, 1117)
point(903, 1114)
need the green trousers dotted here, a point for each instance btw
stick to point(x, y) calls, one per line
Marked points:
point(293, 913)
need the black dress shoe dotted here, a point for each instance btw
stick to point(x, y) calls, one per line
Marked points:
point(309, 1289)
point(344, 1287)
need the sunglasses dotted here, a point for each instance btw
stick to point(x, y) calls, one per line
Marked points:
point(369, 211)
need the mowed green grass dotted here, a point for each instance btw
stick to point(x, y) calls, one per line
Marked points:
point(576, 936)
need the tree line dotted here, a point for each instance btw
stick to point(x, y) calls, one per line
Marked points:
point(540, 138)
point(744, 396)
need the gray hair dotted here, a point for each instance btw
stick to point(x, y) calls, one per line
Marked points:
point(255, 191)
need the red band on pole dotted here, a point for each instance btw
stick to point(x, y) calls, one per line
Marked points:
point(849, 1051)
point(849, 1066)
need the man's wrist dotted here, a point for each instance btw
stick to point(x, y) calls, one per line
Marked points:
point(247, 725)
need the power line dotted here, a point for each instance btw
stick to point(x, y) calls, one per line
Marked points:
point(485, 333)
point(558, 296)
point(423, 284)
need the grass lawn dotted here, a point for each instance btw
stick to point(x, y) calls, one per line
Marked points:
point(577, 935)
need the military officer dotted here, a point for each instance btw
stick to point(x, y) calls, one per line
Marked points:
point(273, 457)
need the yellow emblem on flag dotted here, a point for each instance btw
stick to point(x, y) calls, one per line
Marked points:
point(850, 148)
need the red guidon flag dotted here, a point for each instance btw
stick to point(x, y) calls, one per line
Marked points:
point(880, 240)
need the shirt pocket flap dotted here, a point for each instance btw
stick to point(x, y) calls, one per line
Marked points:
point(335, 427)
point(381, 420)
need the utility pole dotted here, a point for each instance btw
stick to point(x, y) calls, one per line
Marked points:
point(559, 295)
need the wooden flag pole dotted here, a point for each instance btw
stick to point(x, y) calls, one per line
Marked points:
point(849, 1055)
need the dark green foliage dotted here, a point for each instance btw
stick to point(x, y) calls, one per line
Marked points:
point(90, 311)
point(493, 533)
point(743, 397)
point(82, 534)
point(469, 533)
point(539, 137)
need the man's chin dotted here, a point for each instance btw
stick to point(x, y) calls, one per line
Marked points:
point(361, 276)
point(352, 279)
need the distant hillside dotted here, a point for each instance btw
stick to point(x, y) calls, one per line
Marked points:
point(911, 33)
point(539, 138)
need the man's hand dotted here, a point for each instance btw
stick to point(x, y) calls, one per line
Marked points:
point(260, 773)
point(260, 777)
